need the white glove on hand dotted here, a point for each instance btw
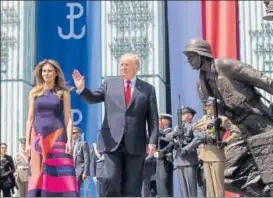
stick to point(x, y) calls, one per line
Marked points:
point(95, 180)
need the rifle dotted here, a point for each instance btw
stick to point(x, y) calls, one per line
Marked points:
point(179, 114)
point(180, 132)
point(217, 122)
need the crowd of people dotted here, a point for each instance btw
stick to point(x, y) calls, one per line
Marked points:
point(137, 148)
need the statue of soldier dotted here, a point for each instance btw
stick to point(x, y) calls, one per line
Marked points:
point(21, 169)
point(164, 160)
point(213, 155)
point(186, 161)
point(234, 83)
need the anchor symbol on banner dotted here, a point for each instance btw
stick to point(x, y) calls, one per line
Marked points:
point(71, 17)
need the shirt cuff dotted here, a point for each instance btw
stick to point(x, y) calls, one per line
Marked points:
point(79, 91)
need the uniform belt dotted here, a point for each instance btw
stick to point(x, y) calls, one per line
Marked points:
point(22, 167)
point(211, 143)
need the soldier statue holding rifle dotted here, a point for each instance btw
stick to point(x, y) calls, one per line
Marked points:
point(235, 84)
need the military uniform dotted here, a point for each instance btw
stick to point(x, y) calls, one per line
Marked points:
point(236, 85)
point(164, 165)
point(21, 170)
point(212, 156)
point(186, 160)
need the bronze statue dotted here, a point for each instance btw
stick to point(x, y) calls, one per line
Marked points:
point(234, 83)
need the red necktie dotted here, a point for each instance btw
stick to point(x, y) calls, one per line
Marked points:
point(128, 93)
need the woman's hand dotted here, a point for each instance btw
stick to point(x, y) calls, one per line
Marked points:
point(68, 147)
point(27, 149)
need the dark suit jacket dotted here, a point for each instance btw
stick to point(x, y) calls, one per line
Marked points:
point(7, 179)
point(120, 120)
point(93, 159)
point(82, 158)
point(96, 158)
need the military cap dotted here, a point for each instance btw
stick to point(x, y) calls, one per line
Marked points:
point(165, 116)
point(22, 140)
point(188, 110)
point(76, 129)
point(210, 100)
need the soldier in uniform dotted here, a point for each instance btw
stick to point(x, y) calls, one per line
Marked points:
point(164, 162)
point(186, 160)
point(235, 84)
point(21, 169)
point(213, 155)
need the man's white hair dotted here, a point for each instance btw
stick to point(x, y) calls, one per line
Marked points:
point(132, 55)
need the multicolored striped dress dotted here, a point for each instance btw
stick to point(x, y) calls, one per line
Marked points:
point(52, 171)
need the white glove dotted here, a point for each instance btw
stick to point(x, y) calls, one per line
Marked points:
point(156, 154)
point(95, 180)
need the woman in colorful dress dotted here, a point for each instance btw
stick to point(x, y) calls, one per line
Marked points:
point(49, 135)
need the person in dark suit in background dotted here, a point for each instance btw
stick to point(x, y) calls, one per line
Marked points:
point(129, 103)
point(7, 179)
point(94, 157)
point(97, 158)
point(81, 156)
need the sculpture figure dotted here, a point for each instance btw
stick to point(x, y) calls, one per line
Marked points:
point(249, 166)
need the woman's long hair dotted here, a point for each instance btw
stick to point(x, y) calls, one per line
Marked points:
point(59, 85)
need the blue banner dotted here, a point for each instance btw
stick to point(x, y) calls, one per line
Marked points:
point(185, 23)
point(68, 31)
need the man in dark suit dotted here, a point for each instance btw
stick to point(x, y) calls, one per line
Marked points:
point(97, 162)
point(130, 103)
point(81, 156)
point(7, 179)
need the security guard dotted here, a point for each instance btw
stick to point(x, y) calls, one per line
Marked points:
point(211, 153)
point(164, 162)
point(98, 169)
point(21, 169)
